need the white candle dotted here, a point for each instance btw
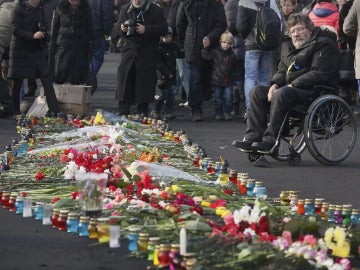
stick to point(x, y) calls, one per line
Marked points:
point(183, 241)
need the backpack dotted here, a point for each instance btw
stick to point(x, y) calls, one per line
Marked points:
point(267, 27)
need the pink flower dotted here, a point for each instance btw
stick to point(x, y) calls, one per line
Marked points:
point(287, 237)
point(310, 239)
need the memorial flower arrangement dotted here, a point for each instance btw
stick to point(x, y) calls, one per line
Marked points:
point(141, 173)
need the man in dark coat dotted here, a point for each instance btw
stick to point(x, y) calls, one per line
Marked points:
point(140, 24)
point(103, 19)
point(199, 23)
point(27, 59)
point(311, 58)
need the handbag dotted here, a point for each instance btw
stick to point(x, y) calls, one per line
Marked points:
point(347, 70)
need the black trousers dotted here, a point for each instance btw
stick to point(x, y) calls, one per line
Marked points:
point(258, 126)
point(49, 93)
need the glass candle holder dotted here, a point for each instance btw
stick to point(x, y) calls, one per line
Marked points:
point(5, 199)
point(62, 226)
point(83, 226)
point(153, 241)
point(250, 187)
point(27, 210)
point(38, 211)
point(55, 218)
point(47, 211)
point(163, 256)
point(331, 213)
point(133, 237)
point(12, 201)
point(19, 205)
point(309, 207)
point(92, 228)
point(103, 230)
point(72, 222)
point(143, 241)
point(114, 231)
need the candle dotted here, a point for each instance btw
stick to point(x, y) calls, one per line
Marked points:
point(183, 241)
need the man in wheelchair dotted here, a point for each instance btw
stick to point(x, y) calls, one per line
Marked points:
point(309, 58)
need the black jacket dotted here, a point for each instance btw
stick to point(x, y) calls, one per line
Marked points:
point(140, 51)
point(71, 43)
point(167, 65)
point(224, 65)
point(315, 63)
point(25, 51)
point(195, 20)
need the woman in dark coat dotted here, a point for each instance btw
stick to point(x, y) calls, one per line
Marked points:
point(71, 42)
point(139, 55)
point(27, 58)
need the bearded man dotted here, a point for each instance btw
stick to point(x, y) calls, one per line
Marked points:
point(309, 59)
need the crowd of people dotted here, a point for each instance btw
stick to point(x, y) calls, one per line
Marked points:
point(203, 49)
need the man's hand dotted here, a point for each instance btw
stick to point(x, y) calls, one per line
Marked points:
point(39, 35)
point(272, 90)
point(140, 29)
point(123, 27)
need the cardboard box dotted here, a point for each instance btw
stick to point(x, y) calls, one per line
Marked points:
point(73, 99)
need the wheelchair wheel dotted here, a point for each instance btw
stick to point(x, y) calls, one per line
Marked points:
point(283, 152)
point(252, 157)
point(330, 130)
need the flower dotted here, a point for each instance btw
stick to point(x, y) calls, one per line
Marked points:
point(335, 239)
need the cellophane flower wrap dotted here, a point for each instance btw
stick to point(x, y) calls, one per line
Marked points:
point(91, 187)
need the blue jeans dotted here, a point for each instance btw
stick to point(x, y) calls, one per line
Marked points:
point(195, 89)
point(257, 69)
point(223, 99)
point(98, 55)
point(166, 97)
point(184, 74)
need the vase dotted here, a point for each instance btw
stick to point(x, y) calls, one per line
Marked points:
point(91, 193)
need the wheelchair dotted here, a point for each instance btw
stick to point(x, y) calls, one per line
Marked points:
point(327, 128)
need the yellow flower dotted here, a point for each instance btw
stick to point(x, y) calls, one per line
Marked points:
point(99, 119)
point(206, 204)
point(225, 213)
point(220, 210)
point(176, 188)
point(335, 240)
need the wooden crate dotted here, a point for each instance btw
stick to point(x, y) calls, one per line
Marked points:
point(73, 99)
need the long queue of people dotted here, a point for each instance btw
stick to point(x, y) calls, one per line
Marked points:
point(207, 49)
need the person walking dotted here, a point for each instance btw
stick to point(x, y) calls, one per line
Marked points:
point(103, 20)
point(257, 60)
point(27, 60)
point(6, 10)
point(351, 28)
point(140, 25)
point(71, 42)
point(223, 75)
point(199, 23)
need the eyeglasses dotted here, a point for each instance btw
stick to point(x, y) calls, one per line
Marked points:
point(297, 29)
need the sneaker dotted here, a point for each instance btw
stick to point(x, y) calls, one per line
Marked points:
point(219, 117)
point(227, 117)
point(356, 111)
point(263, 147)
point(186, 104)
point(169, 116)
point(154, 114)
point(197, 117)
point(244, 145)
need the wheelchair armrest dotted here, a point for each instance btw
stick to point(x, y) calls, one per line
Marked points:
point(324, 89)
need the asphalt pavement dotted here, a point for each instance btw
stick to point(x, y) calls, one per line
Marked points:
point(26, 244)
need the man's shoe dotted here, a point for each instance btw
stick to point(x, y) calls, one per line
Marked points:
point(219, 117)
point(197, 117)
point(245, 145)
point(263, 147)
point(227, 117)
